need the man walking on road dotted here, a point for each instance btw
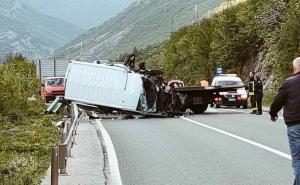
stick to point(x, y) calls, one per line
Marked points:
point(288, 98)
point(258, 94)
point(251, 86)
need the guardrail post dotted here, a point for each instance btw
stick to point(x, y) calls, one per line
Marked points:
point(65, 131)
point(62, 162)
point(64, 135)
point(72, 112)
point(73, 137)
point(54, 167)
point(69, 151)
point(69, 124)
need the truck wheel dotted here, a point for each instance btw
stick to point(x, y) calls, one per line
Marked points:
point(170, 115)
point(199, 108)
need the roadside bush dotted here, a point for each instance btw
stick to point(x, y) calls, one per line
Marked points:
point(27, 135)
point(18, 82)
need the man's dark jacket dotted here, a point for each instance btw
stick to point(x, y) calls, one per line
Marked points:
point(258, 88)
point(288, 97)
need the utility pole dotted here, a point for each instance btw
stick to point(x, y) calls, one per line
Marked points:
point(81, 50)
point(196, 13)
point(172, 24)
point(51, 51)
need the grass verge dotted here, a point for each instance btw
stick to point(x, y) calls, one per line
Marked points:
point(25, 149)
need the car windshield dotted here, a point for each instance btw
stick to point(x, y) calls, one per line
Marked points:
point(55, 82)
point(230, 82)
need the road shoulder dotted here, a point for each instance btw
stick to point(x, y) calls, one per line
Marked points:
point(87, 164)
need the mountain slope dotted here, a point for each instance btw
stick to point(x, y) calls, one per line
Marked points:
point(25, 30)
point(83, 13)
point(144, 22)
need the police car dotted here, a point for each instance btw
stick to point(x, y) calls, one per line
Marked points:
point(236, 98)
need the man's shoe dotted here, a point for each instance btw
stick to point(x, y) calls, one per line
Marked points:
point(259, 113)
point(252, 112)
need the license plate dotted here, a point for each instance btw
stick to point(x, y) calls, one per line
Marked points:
point(197, 100)
point(231, 99)
point(232, 93)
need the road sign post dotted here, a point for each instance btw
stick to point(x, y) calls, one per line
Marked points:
point(219, 71)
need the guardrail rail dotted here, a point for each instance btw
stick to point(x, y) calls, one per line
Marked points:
point(63, 151)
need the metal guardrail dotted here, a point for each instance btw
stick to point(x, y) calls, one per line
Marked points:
point(62, 152)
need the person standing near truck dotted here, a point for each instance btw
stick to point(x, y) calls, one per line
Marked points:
point(258, 91)
point(251, 86)
point(130, 61)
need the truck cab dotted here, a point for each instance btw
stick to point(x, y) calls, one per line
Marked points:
point(52, 87)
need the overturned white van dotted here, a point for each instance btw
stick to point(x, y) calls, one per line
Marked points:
point(103, 84)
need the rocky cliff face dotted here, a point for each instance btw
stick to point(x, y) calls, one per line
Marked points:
point(258, 63)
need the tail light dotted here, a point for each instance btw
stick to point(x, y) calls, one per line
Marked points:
point(218, 99)
point(244, 96)
point(238, 98)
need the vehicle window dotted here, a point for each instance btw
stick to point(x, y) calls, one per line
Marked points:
point(55, 82)
point(230, 82)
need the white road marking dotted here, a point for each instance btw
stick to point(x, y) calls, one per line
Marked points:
point(210, 109)
point(274, 151)
point(112, 156)
point(245, 112)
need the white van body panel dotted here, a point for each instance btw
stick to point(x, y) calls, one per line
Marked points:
point(104, 85)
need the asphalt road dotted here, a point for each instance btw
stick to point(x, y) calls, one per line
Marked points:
point(178, 152)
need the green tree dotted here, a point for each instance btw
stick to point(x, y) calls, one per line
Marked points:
point(18, 81)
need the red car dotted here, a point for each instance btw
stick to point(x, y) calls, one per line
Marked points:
point(53, 86)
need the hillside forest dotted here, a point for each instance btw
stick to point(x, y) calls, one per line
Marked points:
point(256, 35)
